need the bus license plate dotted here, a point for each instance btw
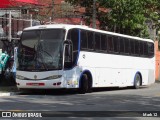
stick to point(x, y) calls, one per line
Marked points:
point(35, 84)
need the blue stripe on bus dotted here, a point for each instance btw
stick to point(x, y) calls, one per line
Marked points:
point(79, 42)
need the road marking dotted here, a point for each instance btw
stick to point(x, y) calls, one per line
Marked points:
point(16, 110)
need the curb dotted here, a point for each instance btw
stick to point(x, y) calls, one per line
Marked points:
point(8, 94)
point(157, 81)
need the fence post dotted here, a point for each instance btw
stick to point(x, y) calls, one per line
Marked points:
point(31, 20)
point(50, 20)
point(10, 26)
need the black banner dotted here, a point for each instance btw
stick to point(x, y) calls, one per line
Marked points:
point(39, 114)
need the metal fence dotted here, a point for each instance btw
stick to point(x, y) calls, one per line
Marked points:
point(11, 26)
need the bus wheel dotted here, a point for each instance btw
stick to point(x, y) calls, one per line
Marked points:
point(137, 81)
point(89, 86)
point(83, 84)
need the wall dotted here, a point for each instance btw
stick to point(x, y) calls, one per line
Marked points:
point(157, 57)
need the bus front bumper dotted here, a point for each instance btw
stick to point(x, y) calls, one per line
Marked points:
point(41, 84)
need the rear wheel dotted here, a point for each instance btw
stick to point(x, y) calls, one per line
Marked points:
point(137, 81)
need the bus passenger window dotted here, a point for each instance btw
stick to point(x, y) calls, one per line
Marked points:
point(90, 41)
point(137, 47)
point(127, 49)
point(121, 45)
point(103, 43)
point(150, 49)
point(145, 49)
point(132, 46)
point(97, 41)
point(116, 43)
point(84, 41)
point(141, 48)
point(110, 43)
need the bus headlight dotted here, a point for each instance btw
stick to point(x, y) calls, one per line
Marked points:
point(20, 77)
point(54, 77)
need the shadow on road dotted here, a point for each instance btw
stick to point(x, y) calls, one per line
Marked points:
point(65, 92)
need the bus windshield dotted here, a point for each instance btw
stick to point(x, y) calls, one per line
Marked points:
point(41, 50)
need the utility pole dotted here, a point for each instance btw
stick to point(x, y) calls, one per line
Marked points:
point(52, 9)
point(94, 14)
point(10, 26)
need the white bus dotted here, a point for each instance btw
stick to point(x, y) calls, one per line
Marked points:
point(74, 56)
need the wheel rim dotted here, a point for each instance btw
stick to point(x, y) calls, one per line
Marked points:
point(138, 81)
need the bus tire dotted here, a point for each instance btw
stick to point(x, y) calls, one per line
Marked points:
point(89, 86)
point(83, 84)
point(137, 81)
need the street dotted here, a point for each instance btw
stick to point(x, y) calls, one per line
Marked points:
point(109, 99)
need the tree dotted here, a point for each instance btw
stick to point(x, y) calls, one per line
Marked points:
point(123, 16)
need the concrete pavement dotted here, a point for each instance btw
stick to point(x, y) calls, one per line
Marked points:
point(8, 90)
point(13, 90)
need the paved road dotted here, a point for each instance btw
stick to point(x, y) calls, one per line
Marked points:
point(115, 99)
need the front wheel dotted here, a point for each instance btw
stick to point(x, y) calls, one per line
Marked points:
point(83, 84)
point(137, 81)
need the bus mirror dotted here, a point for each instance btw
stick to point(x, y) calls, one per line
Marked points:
point(68, 53)
point(68, 48)
point(68, 57)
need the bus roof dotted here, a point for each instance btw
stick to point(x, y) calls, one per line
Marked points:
point(69, 26)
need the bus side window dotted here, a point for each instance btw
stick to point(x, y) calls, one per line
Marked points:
point(103, 42)
point(132, 47)
point(90, 40)
point(150, 49)
point(122, 45)
point(126, 43)
point(141, 48)
point(137, 47)
point(110, 43)
point(73, 35)
point(116, 44)
point(97, 41)
point(145, 49)
point(84, 40)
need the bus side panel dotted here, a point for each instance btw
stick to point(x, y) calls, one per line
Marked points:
point(105, 77)
point(151, 73)
point(116, 70)
point(151, 76)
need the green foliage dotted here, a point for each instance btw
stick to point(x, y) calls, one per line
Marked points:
point(123, 16)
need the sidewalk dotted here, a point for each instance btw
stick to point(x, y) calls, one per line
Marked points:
point(8, 90)
point(157, 81)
